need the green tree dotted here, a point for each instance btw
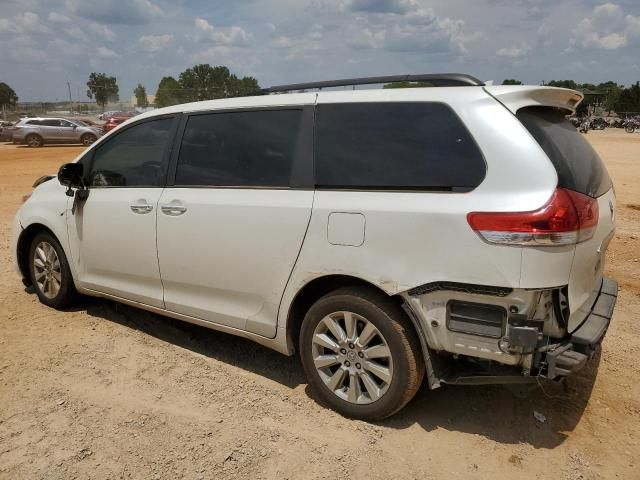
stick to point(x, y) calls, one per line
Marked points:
point(243, 87)
point(141, 96)
point(613, 91)
point(629, 100)
point(407, 85)
point(563, 84)
point(511, 81)
point(168, 93)
point(204, 82)
point(8, 97)
point(103, 88)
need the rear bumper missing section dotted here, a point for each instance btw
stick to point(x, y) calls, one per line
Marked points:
point(573, 354)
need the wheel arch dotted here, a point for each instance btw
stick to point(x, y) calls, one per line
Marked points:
point(314, 290)
point(34, 134)
point(320, 286)
point(24, 244)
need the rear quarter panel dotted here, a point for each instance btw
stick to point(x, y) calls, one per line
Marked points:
point(413, 238)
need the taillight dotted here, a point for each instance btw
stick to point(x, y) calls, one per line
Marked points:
point(26, 197)
point(567, 218)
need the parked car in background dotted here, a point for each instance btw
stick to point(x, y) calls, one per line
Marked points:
point(37, 132)
point(106, 115)
point(6, 131)
point(388, 236)
point(85, 121)
point(11, 129)
point(112, 123)
point(117, 113)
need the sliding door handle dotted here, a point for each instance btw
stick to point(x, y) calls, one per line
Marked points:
point(173, 210)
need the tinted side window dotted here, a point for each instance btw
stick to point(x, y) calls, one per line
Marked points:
point(578, 165)
point(133, 158)
point(239, 149)
point(395, 145)
point(33, 122)
point(50, 123)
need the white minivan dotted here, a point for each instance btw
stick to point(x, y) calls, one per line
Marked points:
point(455, 234)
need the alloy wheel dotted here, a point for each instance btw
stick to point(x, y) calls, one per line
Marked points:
point(33, 141)
point(47, 270)
point(352, 357)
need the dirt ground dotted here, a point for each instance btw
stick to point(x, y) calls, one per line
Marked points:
point(107, 391)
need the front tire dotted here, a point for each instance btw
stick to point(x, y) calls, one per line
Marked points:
point(50, 272)
point(360, 353)
point(87, 139)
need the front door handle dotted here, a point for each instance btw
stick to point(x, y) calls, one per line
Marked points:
point(173, 209)
point(141, 206)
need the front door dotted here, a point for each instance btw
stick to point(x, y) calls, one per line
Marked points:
point(67, 131)
point(112, 234)
point(231, 228)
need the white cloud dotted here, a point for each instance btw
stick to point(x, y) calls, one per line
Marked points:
point(55, 17)
point(102, 31)
point(230, 36)
point(105, 53)
point(26, 22)
point(416, 30)
point(607, 28)
point(129, 12)
point(283, 42)
point(515, 52)
point(154, 43)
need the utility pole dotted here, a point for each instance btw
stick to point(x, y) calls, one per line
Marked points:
point(70, 99)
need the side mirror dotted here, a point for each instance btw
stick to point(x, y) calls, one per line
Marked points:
point(70, 175)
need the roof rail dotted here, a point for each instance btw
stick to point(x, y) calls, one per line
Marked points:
point(436, 79)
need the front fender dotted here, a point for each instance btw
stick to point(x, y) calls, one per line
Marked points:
point(48, 207)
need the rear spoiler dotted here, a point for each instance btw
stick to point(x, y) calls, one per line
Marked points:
point(515, 97)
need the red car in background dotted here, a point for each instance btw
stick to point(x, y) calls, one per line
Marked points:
point(113, 122)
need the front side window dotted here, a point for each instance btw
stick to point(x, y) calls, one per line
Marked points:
point(412, 145)
point(242, 149)
point(64, 123)
point(133, 158)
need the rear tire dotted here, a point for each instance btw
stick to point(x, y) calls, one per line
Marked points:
point(50, 273)
point(360, 353)
point(34, 140)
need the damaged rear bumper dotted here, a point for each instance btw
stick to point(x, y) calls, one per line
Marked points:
point(572, 354)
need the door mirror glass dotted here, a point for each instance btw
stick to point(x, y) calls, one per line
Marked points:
point(70, 175)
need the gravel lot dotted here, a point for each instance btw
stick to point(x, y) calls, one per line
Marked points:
point(107, 391)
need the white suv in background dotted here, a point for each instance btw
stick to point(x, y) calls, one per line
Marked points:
point(455, 233)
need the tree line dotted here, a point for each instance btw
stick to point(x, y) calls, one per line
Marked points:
point(206, 82)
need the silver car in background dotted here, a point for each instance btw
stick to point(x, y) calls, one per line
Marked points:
point(35, 132)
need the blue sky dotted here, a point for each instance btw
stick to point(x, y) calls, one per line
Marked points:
point(45, 43)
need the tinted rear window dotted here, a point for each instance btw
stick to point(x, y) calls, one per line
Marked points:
point(243, 149)
point(395, 146)
point(578, 165)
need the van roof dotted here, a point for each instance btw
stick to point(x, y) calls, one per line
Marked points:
point(512, 97)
